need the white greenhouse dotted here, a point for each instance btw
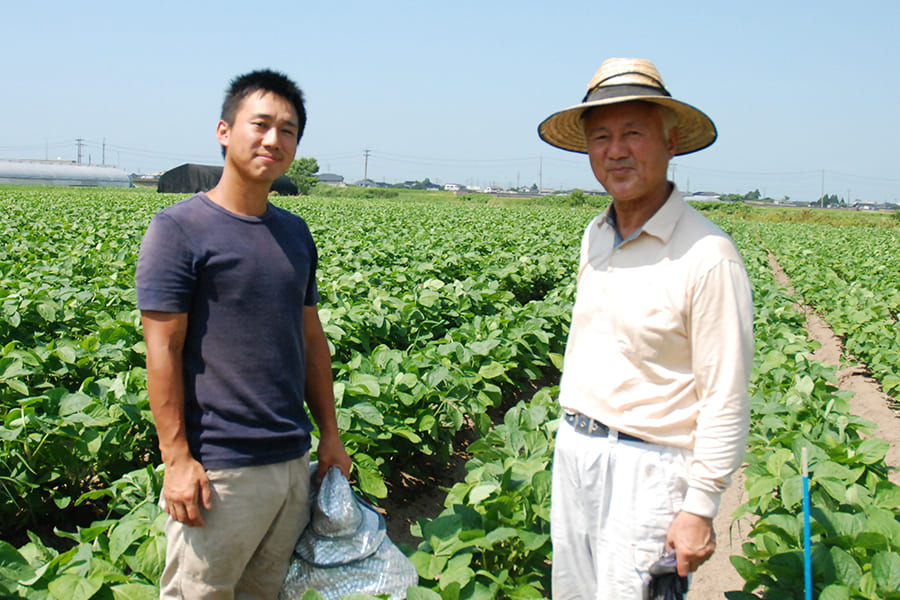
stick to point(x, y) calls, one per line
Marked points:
point(61, 172)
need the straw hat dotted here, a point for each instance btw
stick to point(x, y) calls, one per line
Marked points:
point(623, 80)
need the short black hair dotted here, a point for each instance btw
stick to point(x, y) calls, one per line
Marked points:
point(265, 80)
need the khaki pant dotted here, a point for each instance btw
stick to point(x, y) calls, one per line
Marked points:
point(244, 550)
point(612, 502)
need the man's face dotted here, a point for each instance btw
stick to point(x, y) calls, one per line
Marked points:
point(628, 151)
point(262, 141)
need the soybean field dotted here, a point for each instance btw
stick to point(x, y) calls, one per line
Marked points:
point(443, 317)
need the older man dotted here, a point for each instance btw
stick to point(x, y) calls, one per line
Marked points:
point(659, 353)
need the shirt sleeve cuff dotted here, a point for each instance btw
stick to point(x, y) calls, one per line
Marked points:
point(700, 503)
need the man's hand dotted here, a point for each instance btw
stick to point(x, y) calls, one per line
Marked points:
point(693, 539)
point(331, 452)
point(185, 487)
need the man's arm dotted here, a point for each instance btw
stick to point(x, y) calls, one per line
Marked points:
point(722, 358)
point(185, 484)
point(320, 394)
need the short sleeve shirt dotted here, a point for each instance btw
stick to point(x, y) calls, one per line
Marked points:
point(243, 282)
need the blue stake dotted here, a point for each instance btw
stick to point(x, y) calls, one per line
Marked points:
point(807, 554)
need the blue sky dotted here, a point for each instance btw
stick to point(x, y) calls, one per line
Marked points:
point(802, 93)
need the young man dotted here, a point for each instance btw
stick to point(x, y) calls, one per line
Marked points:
point(657, 364)
point(235, 349)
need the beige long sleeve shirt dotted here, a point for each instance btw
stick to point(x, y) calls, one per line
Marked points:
point(661, 342)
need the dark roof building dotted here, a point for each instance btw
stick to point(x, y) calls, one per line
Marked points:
point(190, 179)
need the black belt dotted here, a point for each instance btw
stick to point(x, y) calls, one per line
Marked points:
point(593, 428)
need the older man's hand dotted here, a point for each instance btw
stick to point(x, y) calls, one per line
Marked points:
point(693, 539)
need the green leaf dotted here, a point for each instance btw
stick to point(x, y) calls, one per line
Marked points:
point(792, 491)
point(883, 522)
point(835, 592)
point(437, 376)
point(483, 347)
point(66, 354)
point(482, 491)
point(408, 380)
point(125, 532)
point(135, 591)
point(745, 567)
point(74, 587)
point(420, 593)
point(150, 557)
point(887, 494)
point(370, 480)
point(835, 488)
point(491, 370)
point(18, 386)
point(47, 311)
point(368, 413)
point(74, 404)
point(13, 566)
point(886, 571)
point(363, 383)
point(871, 451)
point(428, 298)
point(847, 569)
point(762, 485)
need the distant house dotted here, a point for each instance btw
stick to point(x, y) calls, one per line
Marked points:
point(451, 187)
point(864, 206)
point(703, 197)
point(331, 179)
point(190, 179)
point(371, 183)
point(493, 189)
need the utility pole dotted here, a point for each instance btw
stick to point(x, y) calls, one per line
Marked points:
point(104, 152)
point(366, 168)
point(78, 143)
point(540, 174)
point(822, 195)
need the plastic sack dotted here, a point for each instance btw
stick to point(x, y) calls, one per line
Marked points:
point(345, 548)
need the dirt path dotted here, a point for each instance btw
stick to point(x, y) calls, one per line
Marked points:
point(868, 400)
point(718, 576)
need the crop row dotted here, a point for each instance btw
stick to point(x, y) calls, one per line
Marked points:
point(854, 285)
point(796, 404)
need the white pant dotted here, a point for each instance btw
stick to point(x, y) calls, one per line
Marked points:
point(611, 505)
point(245, 548)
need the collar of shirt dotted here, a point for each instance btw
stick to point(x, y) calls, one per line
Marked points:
point(660, 225)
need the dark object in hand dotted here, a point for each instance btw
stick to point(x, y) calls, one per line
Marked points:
point(664, 583)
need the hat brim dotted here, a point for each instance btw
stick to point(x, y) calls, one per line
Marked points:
point(332, 551)
point(564, 129)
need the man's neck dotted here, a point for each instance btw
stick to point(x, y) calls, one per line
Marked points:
point(631, 216)
point(240, 196)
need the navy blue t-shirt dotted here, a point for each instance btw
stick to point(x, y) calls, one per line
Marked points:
point(243, 281)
